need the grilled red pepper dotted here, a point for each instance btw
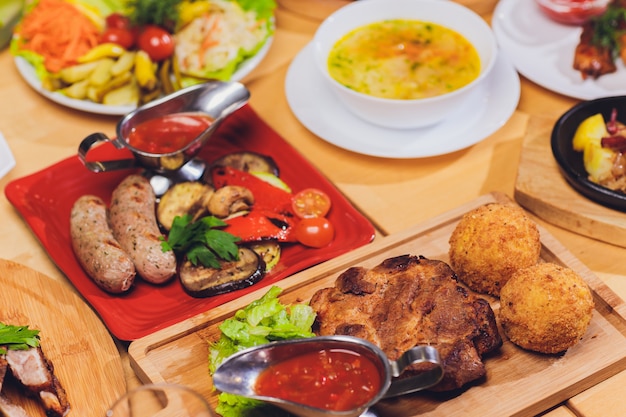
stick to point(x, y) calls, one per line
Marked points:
point(262, 225)
point(266, 196)
point(270, 217)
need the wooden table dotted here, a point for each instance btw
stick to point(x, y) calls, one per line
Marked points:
point(393, 194)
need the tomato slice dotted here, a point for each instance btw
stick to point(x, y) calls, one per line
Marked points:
point(311, 202)
point(315, 232)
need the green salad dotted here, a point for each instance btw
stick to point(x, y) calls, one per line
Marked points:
point(262, 321)
point(187, 41)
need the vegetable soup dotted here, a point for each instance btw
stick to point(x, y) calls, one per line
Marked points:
point(403, 59)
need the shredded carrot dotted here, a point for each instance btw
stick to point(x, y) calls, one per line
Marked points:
point(211, 38)
point(57, 31)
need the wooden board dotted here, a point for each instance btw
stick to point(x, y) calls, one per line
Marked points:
point(84, 356)
point(542, 189)
point(517, 383)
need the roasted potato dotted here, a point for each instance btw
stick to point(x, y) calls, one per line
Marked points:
point(109, 75)
point(126, 95)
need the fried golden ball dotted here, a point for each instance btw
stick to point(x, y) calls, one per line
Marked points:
point(545, 308)
point(490, 243)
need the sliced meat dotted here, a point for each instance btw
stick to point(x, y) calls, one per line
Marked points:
point(8, 409)
point(3, 370)
point(36, 374)
point(407, 301)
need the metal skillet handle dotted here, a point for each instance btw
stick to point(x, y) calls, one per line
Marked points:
point(427, 379)
point(95, 166)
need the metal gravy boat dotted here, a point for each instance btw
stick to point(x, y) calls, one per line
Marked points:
point(216, 99)
point(238, 374)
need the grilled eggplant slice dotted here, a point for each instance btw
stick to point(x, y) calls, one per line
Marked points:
point(184, 198)
point(200, 281)
point(269, 251)
point(248, 162)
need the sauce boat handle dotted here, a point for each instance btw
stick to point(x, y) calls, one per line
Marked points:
point(95, 166)
point(420, 381)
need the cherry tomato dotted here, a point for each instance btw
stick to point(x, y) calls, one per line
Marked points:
point(117, 20)
point(123, 37)
point(311, 202)
point(315, 232)
point(156, 42)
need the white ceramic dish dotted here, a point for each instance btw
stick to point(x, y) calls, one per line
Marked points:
point(316, 107)
point(27, 71)
point(405, 113)
point(543, 51)
point(7, 161)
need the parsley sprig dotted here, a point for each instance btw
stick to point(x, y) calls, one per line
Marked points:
point(17, 338)
point(608, 28)
point(201, 241)
point(162, 13)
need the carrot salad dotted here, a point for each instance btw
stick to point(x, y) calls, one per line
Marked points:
point(59, 32)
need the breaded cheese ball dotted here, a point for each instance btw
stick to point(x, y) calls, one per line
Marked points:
point(490, 243)
point(545, 308)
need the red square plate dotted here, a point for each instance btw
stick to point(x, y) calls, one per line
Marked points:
point(44, 199)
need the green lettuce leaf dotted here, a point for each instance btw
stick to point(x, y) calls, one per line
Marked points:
point(236, 406)
point(262, 321)
point(105, 7)
point(264, 9)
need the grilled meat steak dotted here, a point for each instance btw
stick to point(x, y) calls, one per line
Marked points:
point(407, 301)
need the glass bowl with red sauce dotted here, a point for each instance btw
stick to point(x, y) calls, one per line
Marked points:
point(326, 376)
point(572, 12)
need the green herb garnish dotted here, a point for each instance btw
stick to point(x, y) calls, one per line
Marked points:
point(608, 28)
point(17, 338)
point(162, 13)
point(201, 241)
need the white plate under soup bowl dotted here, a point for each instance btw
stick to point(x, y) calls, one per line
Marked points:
point(398, 113)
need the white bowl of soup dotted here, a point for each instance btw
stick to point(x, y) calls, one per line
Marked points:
point(404, 63)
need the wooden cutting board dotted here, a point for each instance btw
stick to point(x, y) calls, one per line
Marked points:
point(542, 189)
point(84, 356)
point(518, 382)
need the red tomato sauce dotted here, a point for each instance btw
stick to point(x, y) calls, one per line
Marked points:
point(330, 379)
point(168, 133)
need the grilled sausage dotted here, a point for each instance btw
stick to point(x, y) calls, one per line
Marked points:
point(133, 221)
point(98, 252)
